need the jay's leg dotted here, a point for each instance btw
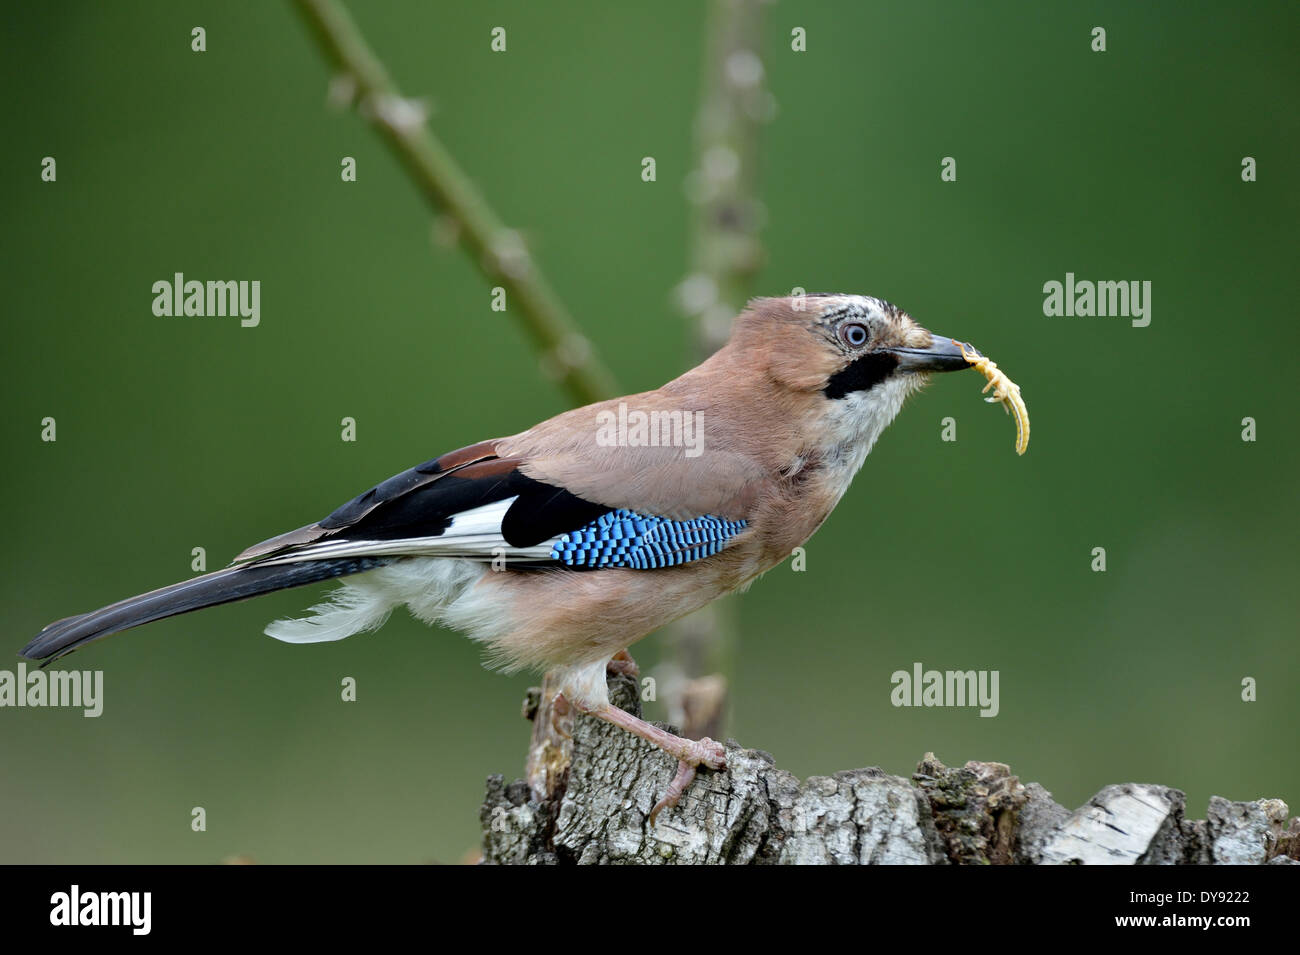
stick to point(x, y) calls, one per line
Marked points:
point(690, 753)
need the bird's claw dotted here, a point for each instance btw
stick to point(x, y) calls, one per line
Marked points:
point(701, 752)
point(708, 752)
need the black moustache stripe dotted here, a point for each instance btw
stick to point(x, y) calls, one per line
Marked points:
point(861, 374)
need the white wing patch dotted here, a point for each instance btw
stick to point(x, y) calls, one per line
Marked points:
point(474, 535)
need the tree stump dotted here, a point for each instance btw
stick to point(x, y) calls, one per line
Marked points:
point(753, 813)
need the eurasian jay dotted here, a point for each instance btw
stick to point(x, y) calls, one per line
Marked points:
point(562, 545)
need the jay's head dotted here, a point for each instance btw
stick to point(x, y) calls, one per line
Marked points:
point(853, 357)
point(843, 345)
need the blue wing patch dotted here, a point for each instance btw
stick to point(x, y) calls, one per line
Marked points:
point(624, 538)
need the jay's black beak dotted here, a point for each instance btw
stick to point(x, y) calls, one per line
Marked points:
point(944, 354)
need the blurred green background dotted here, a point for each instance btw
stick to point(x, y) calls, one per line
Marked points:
point(177, 433)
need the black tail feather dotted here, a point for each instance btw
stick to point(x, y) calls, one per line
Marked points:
point(219, 587)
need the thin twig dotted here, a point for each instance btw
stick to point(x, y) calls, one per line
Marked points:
point(725, 256)
point(499, 251)
point(735, 102)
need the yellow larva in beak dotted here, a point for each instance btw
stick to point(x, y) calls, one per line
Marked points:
point(1005, 391)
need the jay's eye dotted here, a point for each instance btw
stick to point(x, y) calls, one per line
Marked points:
point(854, 335)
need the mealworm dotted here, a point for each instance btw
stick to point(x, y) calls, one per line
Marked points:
point(1005, 391)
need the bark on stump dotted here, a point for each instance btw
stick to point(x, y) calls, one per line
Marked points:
point(756, 814)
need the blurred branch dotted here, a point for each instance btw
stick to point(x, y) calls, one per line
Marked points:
point(725, 256)
point(723, 187)
point(499, 251)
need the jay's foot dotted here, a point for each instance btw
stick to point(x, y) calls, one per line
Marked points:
point(709, 753)
point(690, 753)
